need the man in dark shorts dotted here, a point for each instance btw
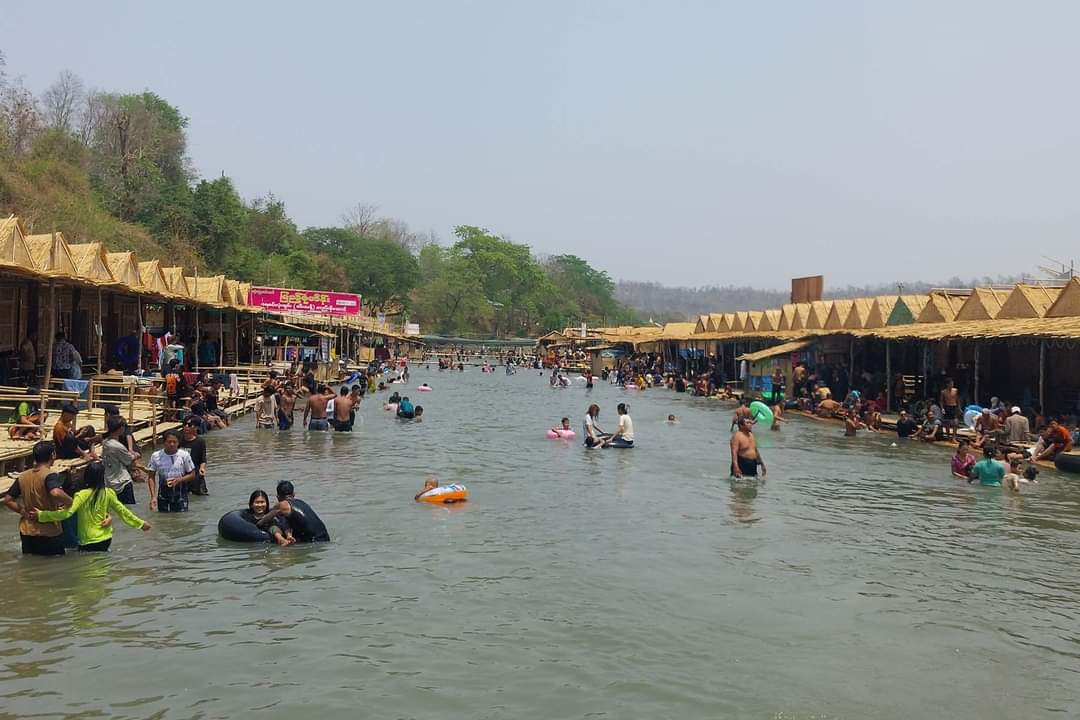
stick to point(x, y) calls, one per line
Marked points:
point(196, 447)
point(950, 408)
point(42, 489)
point(745, 457)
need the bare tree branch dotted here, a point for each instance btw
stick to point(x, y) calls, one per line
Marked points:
point(62, 100)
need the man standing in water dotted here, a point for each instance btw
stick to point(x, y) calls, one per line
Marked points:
point(745, 457)
point(343, 410)
point(950, 405)
point(38, 487)
point(316, 409)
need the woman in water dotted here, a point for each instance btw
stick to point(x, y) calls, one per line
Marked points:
point(594, 436)
point(624, 434)
point(91, 506)
point(258, 506)
point(963, 461)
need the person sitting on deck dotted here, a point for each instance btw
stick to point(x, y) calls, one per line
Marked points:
point(1018, 426)
point(963, 461)
point(1056, 439)
point(986, 424)
point(65, 437)
point(827, 408)
point(28, 418)
point(931, 429)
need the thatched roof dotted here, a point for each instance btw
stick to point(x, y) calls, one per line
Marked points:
point(819, 313)
point(940, 307)
point(738, 323)
point(906, 309)
point(1062, 328)
point(152, 278)
point(245, 293)
point(837, 314)
point(677, 331)
point(177, 281)
point(232, 293)
point(799, 316)
point(702, 324)
point(91, 262)
point(13, 250)
point(858, 314)
point(982, 304)
point(775, 350)
point(786, 313)
point(880, 311)
point(1068, 302)
point(51, 254)
point(1028, 301)
point(209, 290)
point(753, 320)
point(770, 320)
point(125, 269)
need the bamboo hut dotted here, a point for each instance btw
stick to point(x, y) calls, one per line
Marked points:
point(13, 250)
point(880, 311)
point(91, 263)
point(799, 316)
point(124, 269)
point(858, 314)
point(1028, 301)
point(152, 279)
point(819, 313)
point(786, 313)
point(982, 304)
point(209, 290)
point(940, 307)
point(51, 255)
point(838, 314)
point(702, 324)
point(905, 309)
point(177, 282)
point(770, 321)
point(1068, 302)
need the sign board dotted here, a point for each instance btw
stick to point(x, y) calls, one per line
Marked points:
point(412, 328)
point(807, 289)
point(308, 302)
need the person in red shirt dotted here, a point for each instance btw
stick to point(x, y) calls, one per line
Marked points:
point(1056, 439)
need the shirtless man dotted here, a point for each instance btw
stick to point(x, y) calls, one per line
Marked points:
point(950, 406)
point(828, 408)
point(316, 409)
point(741, 413)
point(985, 427)
point(343, 411)
point(745, 457)
point(286, 407)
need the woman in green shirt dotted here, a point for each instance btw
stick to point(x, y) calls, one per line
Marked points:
point(987, 471)
point(91, 508)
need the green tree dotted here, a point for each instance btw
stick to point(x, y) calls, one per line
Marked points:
point(218, 216)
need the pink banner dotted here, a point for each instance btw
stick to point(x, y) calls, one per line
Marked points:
point(312, 302)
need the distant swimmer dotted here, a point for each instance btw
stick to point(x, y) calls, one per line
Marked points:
point(745, 457)
point(672, 420)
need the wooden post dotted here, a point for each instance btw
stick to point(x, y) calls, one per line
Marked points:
point(888, 376)
point(1042, 375)
point(221, 337)
point(141, 329)
point(131, 403)
point(153, 420)
point(52, 334)
point(975, 399)
point(99, 330)
point(198, 339)
point(851, 362)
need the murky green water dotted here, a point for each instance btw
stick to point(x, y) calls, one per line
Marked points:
point(859, 581)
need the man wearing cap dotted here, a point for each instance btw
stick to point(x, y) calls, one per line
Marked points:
point(1018, 426)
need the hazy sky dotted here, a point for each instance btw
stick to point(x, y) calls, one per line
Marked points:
point(683, 142)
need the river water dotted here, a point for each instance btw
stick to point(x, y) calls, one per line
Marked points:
point(857, 581)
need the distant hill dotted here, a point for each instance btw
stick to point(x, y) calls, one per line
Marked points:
point(663, 303)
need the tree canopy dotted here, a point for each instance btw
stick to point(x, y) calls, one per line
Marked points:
point(114, 168)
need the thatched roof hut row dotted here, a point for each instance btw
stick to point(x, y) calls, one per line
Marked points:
point(50, 256)
point(1028, 301)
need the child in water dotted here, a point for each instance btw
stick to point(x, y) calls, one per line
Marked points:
point(671, 420)
point(565, 425)
point(258, 507)
point(429, 484)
